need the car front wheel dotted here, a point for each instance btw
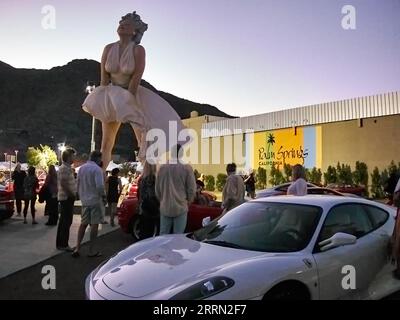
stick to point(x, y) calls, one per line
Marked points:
point(136, 229)
point(288, 291)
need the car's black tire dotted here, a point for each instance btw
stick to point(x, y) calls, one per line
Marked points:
point(288, 291)
point(135, 230)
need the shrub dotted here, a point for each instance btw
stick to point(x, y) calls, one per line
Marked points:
point(307, 173)
point(221, 181)
point(315, 176)
point(330, 176)
point(41, 157)
point(344, 174)
point(287, 169)
point(376, 185)
point(393, 169)
point(261, 178)
point(360, 174)
point(383, 179)
point(276, 176)
point(209, 182)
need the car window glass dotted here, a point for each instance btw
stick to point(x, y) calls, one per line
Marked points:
point(347, 218)
point(268, 227)
point(377, 216)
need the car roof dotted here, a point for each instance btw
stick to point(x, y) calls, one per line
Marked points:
point(315, 199)
point(286, 184)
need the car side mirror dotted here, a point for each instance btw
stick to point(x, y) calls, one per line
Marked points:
point(337, 240)
point(206, 221)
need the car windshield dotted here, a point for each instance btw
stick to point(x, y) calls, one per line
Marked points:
point(263, 226)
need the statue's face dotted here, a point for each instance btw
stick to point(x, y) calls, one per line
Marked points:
point(126, 27)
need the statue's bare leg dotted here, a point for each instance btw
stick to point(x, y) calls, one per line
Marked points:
point(109, 133)
point(139, 133)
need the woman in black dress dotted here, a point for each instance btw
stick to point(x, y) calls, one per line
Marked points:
point(18, 177)
point(114, 189)
point(149, 206)
point(31, 184)
point(51, 201)
point(250, 183)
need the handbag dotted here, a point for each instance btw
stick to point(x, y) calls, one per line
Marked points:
point(44, 193)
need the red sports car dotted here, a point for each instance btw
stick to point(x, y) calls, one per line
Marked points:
point(128, 217)
point(6, 202)
point(353, 189)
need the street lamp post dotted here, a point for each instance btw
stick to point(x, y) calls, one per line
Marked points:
point(92, 141)
point(16, 156)
point(89, 90)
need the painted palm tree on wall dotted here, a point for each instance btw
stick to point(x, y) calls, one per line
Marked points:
point(270, 142)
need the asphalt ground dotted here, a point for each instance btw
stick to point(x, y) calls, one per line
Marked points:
point(71, 272)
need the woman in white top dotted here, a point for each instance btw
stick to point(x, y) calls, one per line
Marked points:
point(299, 184)
point(121, 99)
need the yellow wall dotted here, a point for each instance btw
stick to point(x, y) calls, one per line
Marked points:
point(376, 143)
point(286, 147)
point(215, 147)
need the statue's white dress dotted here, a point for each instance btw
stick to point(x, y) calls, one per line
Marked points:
point(146, 110)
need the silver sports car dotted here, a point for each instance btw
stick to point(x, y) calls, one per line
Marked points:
point(285, 247)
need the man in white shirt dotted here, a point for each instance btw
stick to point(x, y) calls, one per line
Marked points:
point(299, 184)
point(92, 194)
point(175, 189)
point(234, 189)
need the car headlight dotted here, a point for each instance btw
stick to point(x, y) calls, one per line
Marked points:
point(205, 289)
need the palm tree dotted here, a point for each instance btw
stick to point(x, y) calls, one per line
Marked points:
point(270, 141)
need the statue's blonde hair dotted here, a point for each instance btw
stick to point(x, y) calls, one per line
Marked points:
point(140, 26)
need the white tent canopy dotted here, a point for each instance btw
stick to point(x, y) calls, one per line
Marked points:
point(112, 165)
point(5, 166)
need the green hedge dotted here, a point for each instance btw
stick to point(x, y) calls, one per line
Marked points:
point(221, 181)
point(209, 182)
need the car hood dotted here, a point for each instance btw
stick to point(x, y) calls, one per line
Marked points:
point(144, 269)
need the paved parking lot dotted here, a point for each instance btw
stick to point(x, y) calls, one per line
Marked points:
point(23, 245)
point(70, 273)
